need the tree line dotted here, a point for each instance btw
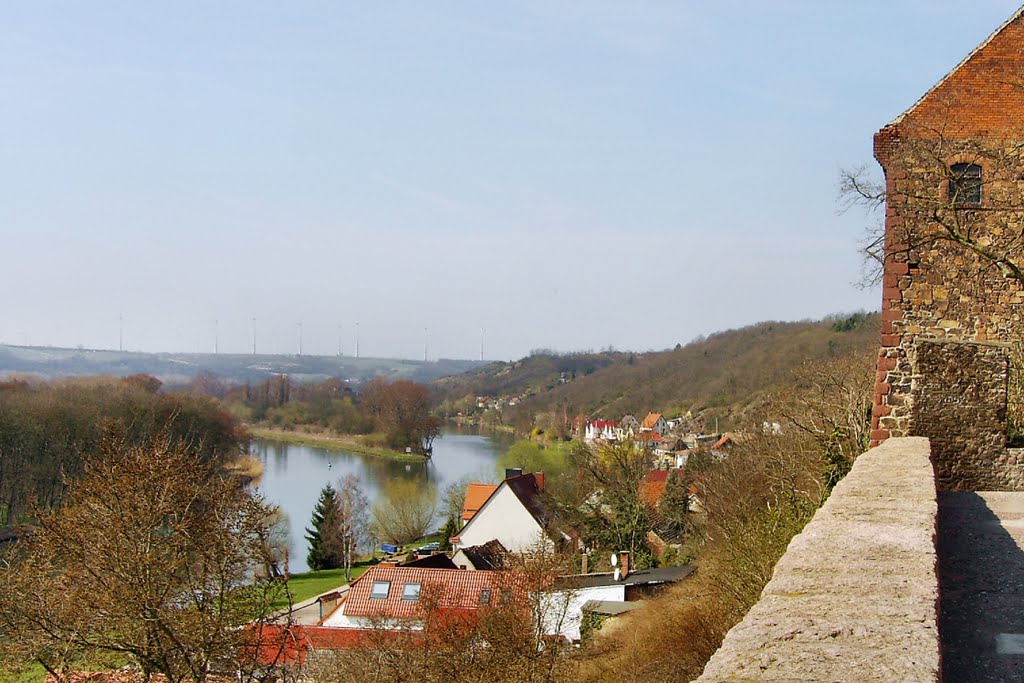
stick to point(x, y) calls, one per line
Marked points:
point(48, 429)
point(398, 411)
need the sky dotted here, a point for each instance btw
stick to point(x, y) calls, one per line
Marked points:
point(536, 174)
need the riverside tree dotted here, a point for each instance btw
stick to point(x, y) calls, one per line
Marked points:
point(403, 512)
point(351, 523)
point(151, 559)
point(322, 529)
point(402, 411)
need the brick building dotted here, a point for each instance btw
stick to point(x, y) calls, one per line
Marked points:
point(952, 297)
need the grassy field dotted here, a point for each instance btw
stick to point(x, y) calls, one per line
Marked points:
point(349, 444)
point(311, 584)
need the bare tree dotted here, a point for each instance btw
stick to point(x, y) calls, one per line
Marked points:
point(351, 530)
point(862, 189)
point(151, 558)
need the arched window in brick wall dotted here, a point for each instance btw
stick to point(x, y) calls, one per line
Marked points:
point(965, 184)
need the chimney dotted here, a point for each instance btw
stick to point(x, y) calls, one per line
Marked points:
point(624, 564)
point(584, 563)
point(513, 472)
point(539, 478)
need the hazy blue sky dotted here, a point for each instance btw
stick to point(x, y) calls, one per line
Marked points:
point(564, 174)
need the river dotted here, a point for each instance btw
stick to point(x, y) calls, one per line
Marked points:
point(293, 474)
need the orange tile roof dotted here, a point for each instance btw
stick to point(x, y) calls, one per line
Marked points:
point(652, 491)
point(650, 420)
point(476, 496)
point(452, 589)
point(722, 443)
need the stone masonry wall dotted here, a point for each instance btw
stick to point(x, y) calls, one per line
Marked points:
point(958, 399)
point(855, 596)
point(936, 289)
point(932, 286)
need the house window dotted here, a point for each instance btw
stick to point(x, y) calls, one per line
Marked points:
point(485, 596)
point(411, 591)
point(380, 590)
point(965, 184)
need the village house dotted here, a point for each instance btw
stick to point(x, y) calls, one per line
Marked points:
point(655, 422)
point(563, 606)
point(390, 597)
point(515, 515)
point(648, 439)
point(600, 430)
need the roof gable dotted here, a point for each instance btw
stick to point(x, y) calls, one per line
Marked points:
point(980, 96)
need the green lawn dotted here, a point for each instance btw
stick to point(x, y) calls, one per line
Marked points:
point(311, 584)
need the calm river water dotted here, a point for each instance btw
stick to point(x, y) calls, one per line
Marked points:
point(293, 474)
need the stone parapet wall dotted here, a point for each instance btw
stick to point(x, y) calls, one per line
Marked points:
point(855, 596)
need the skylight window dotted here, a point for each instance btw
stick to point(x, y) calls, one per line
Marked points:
point(380, 590)
point(411, 591)
point(485, 596)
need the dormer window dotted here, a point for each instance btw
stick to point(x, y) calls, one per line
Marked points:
point(965, 184)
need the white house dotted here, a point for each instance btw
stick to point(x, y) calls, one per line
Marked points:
point(562, 608)
point(600, 429)
point(655, 422)
point(515, 516)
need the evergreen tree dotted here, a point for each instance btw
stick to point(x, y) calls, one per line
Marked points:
point(324, 523)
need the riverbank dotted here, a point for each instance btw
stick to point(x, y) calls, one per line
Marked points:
point(347, 443)
point(468, 421)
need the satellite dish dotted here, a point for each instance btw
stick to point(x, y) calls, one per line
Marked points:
point(615, 560)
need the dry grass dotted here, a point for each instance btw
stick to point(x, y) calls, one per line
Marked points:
point(246, 467)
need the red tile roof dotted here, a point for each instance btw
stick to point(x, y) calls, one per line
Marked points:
point(476, 496)
point(450, 589)
point(281, 645)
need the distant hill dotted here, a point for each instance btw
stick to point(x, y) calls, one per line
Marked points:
point(720, 376)
point(178, 368)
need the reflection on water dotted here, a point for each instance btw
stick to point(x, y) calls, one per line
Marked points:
point(293, 475)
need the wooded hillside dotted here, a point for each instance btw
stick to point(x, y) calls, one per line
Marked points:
point(722, 375)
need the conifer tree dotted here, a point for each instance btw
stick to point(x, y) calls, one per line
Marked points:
point(323, 526)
